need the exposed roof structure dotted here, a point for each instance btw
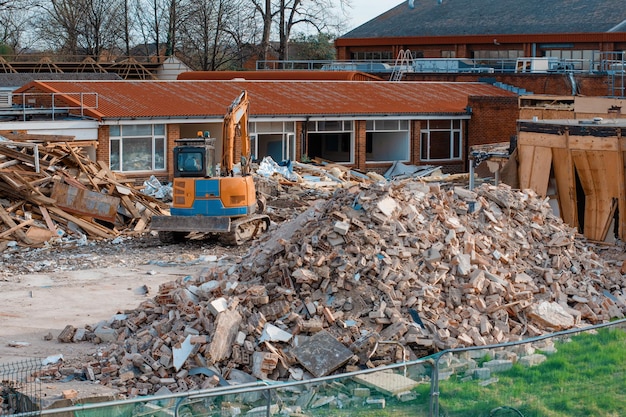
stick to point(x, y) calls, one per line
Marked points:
point(195, 99)
point(278, 75)
point(489, 17)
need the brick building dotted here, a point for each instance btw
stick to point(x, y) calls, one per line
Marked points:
point(484, 30)
point(366, 125)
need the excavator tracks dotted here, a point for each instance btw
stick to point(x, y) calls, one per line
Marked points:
point(245, 229)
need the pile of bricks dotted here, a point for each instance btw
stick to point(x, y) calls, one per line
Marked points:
point(379, 273)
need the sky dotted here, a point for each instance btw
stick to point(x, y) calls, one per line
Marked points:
point(364, 10)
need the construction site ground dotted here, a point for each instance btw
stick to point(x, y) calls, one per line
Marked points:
point(43, 290)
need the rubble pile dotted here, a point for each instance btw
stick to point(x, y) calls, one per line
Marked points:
point(52, 190)
point(377, 274)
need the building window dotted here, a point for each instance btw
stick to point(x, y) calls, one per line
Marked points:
point(387, 140)
point(576, 59)
point(137, 148)
point(441, 140)
point(372, 56)
point(331, 140)
point(274, 139)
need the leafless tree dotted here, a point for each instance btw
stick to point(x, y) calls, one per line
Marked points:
point(14, 31)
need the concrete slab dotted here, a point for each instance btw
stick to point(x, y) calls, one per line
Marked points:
point(321, 354)
point(387, 382)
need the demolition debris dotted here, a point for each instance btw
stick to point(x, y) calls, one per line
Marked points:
point(378, 273)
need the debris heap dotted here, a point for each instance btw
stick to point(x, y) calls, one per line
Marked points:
point(378, 273)
point(53, 190)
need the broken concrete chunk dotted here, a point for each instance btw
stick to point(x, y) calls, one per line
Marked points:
point(272, 333)
point(387, 382)
point(181, 352)
point(217, 306)
point(226, 329)
point(387, 206)
point(322, 353)
point(551, 315)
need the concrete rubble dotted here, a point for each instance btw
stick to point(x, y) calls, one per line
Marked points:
point(378, 273)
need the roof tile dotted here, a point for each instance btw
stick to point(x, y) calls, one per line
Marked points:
point(154, 99)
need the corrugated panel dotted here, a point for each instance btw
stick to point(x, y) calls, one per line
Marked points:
point(144, 99)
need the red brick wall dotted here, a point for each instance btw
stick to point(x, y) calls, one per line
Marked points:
point(360, 144)
point(494, 120)
point(104, 145)
point(555, 84)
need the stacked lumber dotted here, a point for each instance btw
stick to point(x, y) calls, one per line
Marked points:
point(379, 273)
point(51, 190)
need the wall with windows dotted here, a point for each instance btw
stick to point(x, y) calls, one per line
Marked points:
point(441, 141)
point(387, 141)
point(276, 139)
point(137, 148)
point(330, 139)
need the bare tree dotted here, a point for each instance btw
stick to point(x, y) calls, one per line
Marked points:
point(317, 14)
point(102, 27)
point(265, 10)
point(14, 30)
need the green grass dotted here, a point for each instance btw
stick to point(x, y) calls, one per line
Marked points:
point(586, 377)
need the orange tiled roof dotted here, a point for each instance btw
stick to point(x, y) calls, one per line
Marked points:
point(182, 99)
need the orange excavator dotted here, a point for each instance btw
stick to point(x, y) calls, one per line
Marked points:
point(212, 199)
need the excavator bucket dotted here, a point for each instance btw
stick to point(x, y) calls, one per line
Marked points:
point(203, 224)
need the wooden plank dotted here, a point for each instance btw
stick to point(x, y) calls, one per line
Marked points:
point(542, 165)
point(593, 143)
point(599, 179)
point(534, 168)
point(130, 206)
point(90, 228)
point(48, 219)
point(541, 139)
point(84, 169)
point(39, 234)
point(16, 227)
point(6, 218)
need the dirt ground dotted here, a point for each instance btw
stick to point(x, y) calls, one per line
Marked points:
point(44, 290)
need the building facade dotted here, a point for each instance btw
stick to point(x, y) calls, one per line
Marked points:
point(361, 124)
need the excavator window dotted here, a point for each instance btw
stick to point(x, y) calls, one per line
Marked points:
point(190, 162)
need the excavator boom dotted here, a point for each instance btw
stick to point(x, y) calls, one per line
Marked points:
point(236, 124)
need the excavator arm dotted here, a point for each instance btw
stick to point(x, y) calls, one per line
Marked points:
point(236, 122)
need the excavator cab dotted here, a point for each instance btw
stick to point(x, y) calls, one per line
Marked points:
point(195, 158)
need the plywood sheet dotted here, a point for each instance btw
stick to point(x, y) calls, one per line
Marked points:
point(535, 165)
point(599, 175)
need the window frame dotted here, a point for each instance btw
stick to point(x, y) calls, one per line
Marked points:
point(426, 133)
point(158, 142)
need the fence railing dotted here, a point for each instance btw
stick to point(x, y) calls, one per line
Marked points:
point(26, 106)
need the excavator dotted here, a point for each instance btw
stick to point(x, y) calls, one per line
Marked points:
point(211, 199)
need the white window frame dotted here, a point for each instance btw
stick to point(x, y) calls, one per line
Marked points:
point(288, 145)
point(154, 138)
point(345, 126)
point(427, 132)
point(387, 126)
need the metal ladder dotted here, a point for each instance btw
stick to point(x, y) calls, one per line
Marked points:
point(403, 60)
